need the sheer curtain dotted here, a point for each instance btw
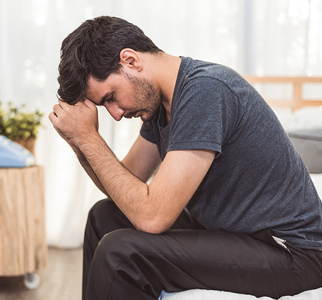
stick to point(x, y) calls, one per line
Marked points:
point(269, 37)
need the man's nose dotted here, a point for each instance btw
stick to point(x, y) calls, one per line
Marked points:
point(115, 111)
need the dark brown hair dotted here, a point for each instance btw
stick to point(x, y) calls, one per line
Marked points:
point(94, 49)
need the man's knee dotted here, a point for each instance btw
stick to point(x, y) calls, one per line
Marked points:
point(119, 241)
point(122, 263)
point(106, 216)
point(100, 208)
point(122, 244)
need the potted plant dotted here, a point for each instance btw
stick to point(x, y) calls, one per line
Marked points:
point(20, 126)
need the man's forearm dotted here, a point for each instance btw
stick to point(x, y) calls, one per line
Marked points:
point(87, 167)
point(78, 126)
point(128, 192)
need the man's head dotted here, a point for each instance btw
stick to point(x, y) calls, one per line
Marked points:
point(93, 49)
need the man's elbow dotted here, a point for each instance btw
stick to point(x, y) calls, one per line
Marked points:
point(154, 226)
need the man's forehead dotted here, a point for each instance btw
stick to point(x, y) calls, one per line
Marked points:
point(92, 83)
point(98, 91)
point(94, 88)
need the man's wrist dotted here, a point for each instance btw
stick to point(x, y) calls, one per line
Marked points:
point(93, 145)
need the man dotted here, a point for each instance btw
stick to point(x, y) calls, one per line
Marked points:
point(231, 207)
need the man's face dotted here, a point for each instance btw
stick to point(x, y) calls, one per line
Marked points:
point(126, 96)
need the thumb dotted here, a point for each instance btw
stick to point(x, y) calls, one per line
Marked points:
point(89, 103)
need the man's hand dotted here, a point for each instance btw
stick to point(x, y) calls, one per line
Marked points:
point(75, 123)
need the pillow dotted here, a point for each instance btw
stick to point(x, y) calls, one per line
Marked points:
point(308, 142)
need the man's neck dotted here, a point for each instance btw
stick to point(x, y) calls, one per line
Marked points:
point(165, 71)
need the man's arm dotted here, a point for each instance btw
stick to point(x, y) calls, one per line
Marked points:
point(152, 208)
point(142, 161)
point(155, 207)
point(87, 167)
point(82, 159)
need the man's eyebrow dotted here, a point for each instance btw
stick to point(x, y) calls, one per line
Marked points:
point(106, 97)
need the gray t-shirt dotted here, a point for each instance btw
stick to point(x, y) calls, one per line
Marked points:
point(257, 180)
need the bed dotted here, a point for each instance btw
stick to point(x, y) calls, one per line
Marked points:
point(220, 295)
point(297, 108)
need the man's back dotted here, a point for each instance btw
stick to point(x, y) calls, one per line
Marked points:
point(257, 181)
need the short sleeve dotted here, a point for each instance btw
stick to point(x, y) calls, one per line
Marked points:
point(204, 115)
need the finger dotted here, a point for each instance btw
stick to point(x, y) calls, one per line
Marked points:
point(61, 103)
point(90, 104)
point(52, 117)
point(57, 109)
point(64, 105)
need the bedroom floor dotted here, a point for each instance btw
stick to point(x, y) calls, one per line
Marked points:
point(61, 279)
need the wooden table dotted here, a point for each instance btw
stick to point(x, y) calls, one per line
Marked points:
point(23, 247)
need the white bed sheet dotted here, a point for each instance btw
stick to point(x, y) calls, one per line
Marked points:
point(219, 295)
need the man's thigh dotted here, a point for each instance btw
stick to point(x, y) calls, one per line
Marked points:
point(188, 256)
point(187, 259)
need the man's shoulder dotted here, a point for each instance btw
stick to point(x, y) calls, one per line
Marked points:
point(194, 71)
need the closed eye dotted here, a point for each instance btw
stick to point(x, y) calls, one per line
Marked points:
point(108, 97)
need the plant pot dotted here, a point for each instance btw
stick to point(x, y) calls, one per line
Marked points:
point(28, 143)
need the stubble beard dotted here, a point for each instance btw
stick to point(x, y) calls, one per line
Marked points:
point(147, 97)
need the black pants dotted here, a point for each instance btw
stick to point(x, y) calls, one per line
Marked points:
point(123, 263)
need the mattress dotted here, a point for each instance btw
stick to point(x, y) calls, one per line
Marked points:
point(220, 295)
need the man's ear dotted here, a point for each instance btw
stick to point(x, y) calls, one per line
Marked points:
point(131, 59)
